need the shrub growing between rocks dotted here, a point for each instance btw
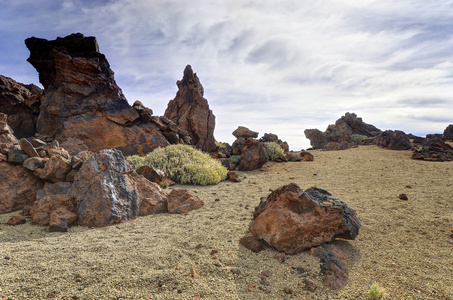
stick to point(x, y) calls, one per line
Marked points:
point(357, 138)
point(183, 164)
point(274, 150)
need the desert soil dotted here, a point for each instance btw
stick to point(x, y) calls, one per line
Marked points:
point(404, 246)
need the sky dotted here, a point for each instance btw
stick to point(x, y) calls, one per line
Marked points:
point(274, 66)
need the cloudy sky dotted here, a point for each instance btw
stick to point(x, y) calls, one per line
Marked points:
point(273, 66)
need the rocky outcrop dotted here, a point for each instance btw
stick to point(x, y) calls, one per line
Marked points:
point(21, 103)
point(292, 220)
point(244, 132)
point(344, 127)
point(270, 137)
point(191, 111)
point(82, 100)
point(434, 150)
point(393, 140)
point(8, 141)
point(448, 133)
point(253, 155)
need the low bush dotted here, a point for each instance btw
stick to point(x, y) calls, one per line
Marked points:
point(357, 138)
point(376, 292)
point(183, 164)
point(274, 150)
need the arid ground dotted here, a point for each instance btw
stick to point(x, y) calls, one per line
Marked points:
point(404, 246)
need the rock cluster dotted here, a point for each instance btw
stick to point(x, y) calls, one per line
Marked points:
point(292, 220)
point(191, 111)
point(393, 140)
point(344, 127)
point(448, 133)
point(434, 150)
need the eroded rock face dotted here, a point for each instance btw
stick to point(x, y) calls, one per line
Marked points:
point(191, 111)
point(17, 187)
point(292, 220)
point(448, 133)
point(21, 103)
point(8, 141)
point(253, 155)
point(434, 150)
point(82, 100)
point(393, 140)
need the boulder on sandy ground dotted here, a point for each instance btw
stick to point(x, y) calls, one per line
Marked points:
point(307, 156)
point(191, 111)
point(448, 133)
point(17, 187)
point(253, 155)
point(293, 157)
point(252, 243)
point(182, 201)
point(152, 199)
point(317, 138)
point(244, 132)
point(292, 220)
point(21, 103)
point(271, 137)
point(61, 219)
point(434, 150)
point(8, 141)
point(233, 176)
point(393, 140)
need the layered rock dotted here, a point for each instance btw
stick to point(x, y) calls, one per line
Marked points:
point(82, 100)
point(292, 220)
point(191, 111)
point(21, 103)
point(434, 150)
point(344, 127)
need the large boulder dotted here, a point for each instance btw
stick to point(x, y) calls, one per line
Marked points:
point(107, 191)
point(21, 103)
point(244, 132)
point(393, 140)
point(191, 111)
point(344, 127)
point(18, 187)
point(82, 100)
point(253, 155)
point(434, 150)
point(292, 220)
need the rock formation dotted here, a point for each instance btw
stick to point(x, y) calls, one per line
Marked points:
point(82, 101)
point(292, 220)
point(344, 127)
point(448, 133)
point(191, 111)
point(393, 140)
point(434, 150)
point(21, 103)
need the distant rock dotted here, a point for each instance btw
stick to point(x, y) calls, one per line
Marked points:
point(16, 220)
point(344, 127)
point(21, 103)
point(292, 220)
point(191, 111)
point(393, 140)
point(448, 133)
point(244, 132)
point(270, 137)
point(434, 150)
point(253, 155)
point(334, 146)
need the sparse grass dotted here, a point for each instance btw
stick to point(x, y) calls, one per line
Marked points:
point(274, 150)
point(357, 138)
point(183, 164)
point(376, 292)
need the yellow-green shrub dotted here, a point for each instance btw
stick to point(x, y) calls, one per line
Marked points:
point(274, 150)
point(183, 164)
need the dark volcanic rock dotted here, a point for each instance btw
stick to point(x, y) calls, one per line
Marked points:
point(344, 127)
point(434, 150)
point(448, 133)
point(191, 111)
point(292, 220)
point(21, 103)
point(393, 140)
point(253, 155)
point(82, 100)
point(332, 266)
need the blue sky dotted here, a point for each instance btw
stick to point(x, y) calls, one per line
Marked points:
point(273, 66)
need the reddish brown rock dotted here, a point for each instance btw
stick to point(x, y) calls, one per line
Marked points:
point(152, 199)
point(17, 187)
point(306, 156)
point(244, 132)
point(292, 220)
point(393, 140)
point(28, 148)
point(55, 169)
point(334, 146)
point(293, 157)
point(61, 219)
point(152, 174)
point(8, 141)
point(434, 150)
point(191, 111)
point(253, 155)
point(21, 103)
point(252, 243)
point(34, 163)
point(16, 220)
point(233, 177)
point(182, 201)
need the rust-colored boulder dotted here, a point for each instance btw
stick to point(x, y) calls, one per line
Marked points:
point(306, 156)
point(61, 219)
point(152, 199)
point(28, 148)
point(34, 163)
point(21, 103)
point(182, 201)
point(252, 243)
point(191, 111)
point(16, 220)
point(152, 174)
point(55, 169)
point(292, 220)
point(434, 150)
point(18, 187)
point(245, 133)
point(253, 155)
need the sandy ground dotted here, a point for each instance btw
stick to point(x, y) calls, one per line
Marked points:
point(403, 245)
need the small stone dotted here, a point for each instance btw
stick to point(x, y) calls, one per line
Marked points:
point(264, 281)
point(236, 271)
point(16, 220)
point(7, 257)
point(450, 241)
point(408, 186)
point(281, 257)
point(252, 243)
point(193, 273)
point(403, 197)
point(251, 287)
point(214, 251)
point(288, 290)
point(198, 246)
point(265, 273)
point(309, 285)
